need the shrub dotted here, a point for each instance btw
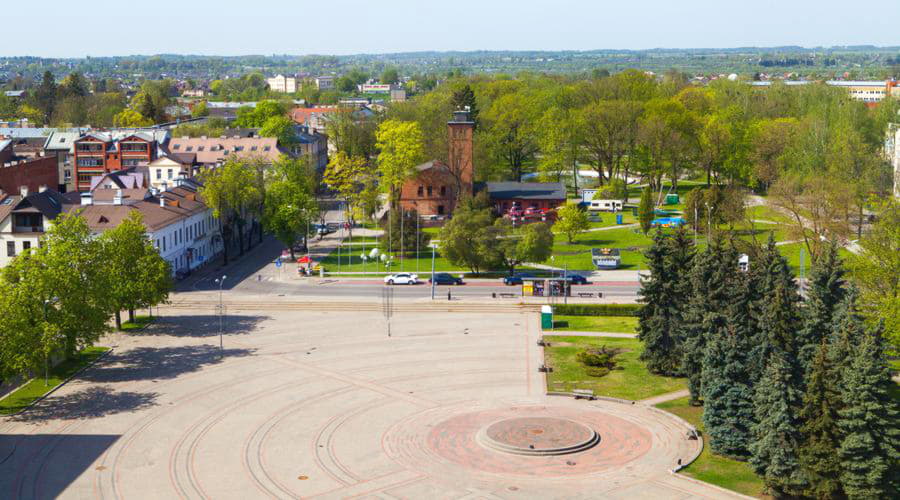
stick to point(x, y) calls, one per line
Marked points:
point(596, 371)
point(597, 309)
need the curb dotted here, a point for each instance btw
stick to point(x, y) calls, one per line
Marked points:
point(61, 384)
point(732, 493)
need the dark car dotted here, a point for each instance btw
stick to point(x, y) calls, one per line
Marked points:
point(445, 279)
point(577, 279)
point(515, 279)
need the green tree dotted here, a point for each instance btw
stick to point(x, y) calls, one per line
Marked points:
point(876, 271)
point(257, 116)
point(727, 388)
point(560, 140)
point(44, 97)
point(528, 243)
point(142, 276)
point(464, 97)
point(130, 118)
point(400, 146)
point(645, 209)
point(290, 203)
point(402, 235)
point(870, 444)
point(820, 436)
point(776, 433)
point(572, 221)
point(467, 239)
point(232, 192)
point(390, 76)
point(200, 110)
point(352, 178)
point(826, 291)
point(512, 135)
point(281, 127)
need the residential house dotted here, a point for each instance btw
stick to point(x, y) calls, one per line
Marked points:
point(212, 151)
point(325, 82)
point(61, 144)
point(165, 170)
point(24, 218)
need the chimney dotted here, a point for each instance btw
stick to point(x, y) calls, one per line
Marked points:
point(42, 188)
point(87, 199)
point(162, 202)
point(23, 190)
point(117, 199)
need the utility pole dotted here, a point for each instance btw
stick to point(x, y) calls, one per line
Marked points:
point(221, 282)
point(432, 270)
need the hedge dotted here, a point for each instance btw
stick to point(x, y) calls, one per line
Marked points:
point(597, 309)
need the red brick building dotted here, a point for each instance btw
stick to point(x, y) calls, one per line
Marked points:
point(434, 189)
point(34, 175)
point(99, 153)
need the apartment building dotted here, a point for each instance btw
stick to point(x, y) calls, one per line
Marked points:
point(325, 82)
point(24, 217)
point(98, 153)
point(281, 83)
point(212, 151)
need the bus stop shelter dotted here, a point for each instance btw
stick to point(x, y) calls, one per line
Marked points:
point(546, 287)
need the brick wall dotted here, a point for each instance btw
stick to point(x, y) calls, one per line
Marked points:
point(33, 174)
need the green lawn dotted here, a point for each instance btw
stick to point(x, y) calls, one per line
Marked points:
point(721, 471)
point(630, 241)
point(633, 381)
point(35, 388)
point(614, 324)
point(139, 323)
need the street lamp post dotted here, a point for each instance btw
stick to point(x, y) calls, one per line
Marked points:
point(221, 282)
point(708, 223)
point(432, 270)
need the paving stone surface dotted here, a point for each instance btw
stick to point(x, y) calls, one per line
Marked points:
point(323, 404)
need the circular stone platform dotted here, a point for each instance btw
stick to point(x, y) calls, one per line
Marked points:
point(537, 436)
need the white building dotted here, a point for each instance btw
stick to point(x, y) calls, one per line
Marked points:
point(23, 219)
point(892, 151)
point(281, 83)
point(325, 82)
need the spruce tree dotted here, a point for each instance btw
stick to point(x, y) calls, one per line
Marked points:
point(706, 311)
point(655, 321)
point(826, 291)
point(869, 423)
point(820, 436)
point(775, 312)
point(776, 434)
point(727, 388)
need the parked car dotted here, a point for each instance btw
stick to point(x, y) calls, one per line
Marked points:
point(182, 273)
point(445, 279)
point(299, 247)
point(534, 211)
point(401, 279)
point(324, 229)
point(577, 279)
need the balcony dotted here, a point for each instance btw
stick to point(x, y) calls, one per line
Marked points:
point(28, 229)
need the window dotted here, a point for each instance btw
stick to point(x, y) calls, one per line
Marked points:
point(440, 209)
point(189, 148)
point(169, 173)
point(90, 162)
point(253, 148)
point(67, 175)
point(443, 190)
point(158, 173)
point(134, 146)
point(201, 148)
point(89, 148)
point(429, 190)
point(10, 248)
point(421, 191)
point(267, 148)
point(26, 245)
point(176, 147)
point(131, 162)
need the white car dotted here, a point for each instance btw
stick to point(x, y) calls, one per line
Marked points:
point(401, 279)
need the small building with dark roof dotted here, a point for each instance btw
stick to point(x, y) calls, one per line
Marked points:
point(524, 195)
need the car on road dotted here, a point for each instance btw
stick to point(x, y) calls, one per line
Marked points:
point(445, 279)
point(515, 279)
point(577, 279)
point(401, 279)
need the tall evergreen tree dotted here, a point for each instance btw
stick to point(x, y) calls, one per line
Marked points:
point(706, 310)
point(869, 423)
point(463, 97)
point(45, 96)
point(659, 319)
point(727, 388)
point(820, 436)
point(775, 313)
point(826, 290)
point(776, 434)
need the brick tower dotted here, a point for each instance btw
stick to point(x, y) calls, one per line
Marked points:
point(461, 129)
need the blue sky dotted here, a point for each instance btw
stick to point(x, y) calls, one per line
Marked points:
point(222, 27)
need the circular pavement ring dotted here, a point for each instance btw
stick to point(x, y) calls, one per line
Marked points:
point(456, 440)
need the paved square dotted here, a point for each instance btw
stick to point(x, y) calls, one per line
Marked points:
point(324, 404)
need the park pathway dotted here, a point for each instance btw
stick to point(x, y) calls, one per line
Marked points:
point(669, 396)
point(569, 333)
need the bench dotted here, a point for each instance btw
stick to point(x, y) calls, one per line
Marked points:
point(545, 369)
point(583, 394)
point(585, 294)
point(507, 295)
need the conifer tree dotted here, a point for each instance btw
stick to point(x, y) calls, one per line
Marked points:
point(826, 290)
point(869, 423)
point(706, 310)
point(655, 322)
point(775, 312)
point(663, 293)
point(776, 434)
point(820, 436)
point(727, 388)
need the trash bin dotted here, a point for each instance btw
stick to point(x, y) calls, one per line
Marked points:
point(672, 199)
point(619, 219)
point(546, 318)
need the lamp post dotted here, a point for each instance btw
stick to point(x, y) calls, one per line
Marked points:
point(708, 222)
point(221, 282)
point(433, 247)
